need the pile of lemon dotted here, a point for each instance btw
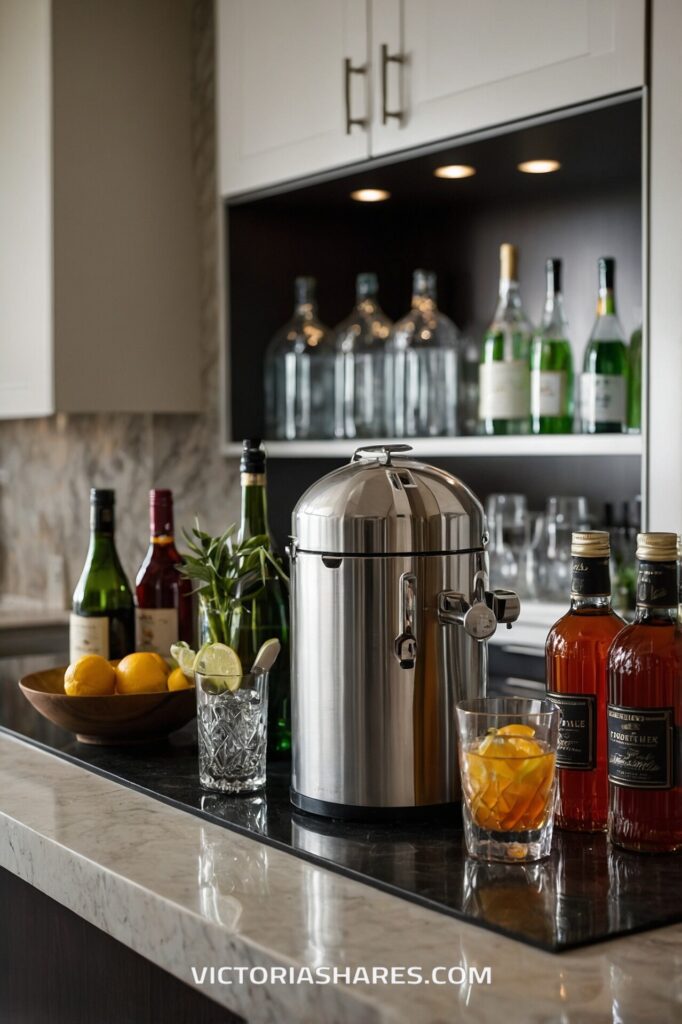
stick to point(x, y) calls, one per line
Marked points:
point(142, 672)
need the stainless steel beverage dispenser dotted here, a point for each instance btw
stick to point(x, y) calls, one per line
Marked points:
point(390, 608)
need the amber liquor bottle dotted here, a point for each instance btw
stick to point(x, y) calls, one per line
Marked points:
point(576, 657)
point(645, 708)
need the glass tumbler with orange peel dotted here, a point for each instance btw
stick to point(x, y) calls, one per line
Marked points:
point(507, 760)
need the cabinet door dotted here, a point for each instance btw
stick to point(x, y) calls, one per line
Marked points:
point(472, 65)
point(282, 102)
point(25, 216)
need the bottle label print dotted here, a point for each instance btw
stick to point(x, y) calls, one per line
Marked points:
point(641, 747)
point(548, 392)
point(88, 634)
point(602, 398)
point(156, 629)
point(505, 390)
point(577, 746)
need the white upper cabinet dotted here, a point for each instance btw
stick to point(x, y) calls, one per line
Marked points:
point(99, 236)
point(452, 66)
point(308, 85)
point(292, 75)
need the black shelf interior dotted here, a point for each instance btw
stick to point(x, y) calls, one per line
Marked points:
point(592, 206)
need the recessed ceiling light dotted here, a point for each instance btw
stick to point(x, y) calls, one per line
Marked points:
point(455, 171)
point(370, 195)
point(539, 166)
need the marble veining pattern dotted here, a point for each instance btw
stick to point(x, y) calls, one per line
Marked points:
point(184, 892)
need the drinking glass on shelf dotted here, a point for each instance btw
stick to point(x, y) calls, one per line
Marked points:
point(507, 761)
point(563, 516)
point(232, 720)
point(507, 516)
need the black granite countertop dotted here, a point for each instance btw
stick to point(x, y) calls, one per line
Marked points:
point(585, 892)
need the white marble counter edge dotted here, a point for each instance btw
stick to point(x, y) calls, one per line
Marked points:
point(182, 892)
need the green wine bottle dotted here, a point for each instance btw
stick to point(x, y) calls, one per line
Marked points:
point(504, 373)
point(604, 381)
point(266, 615)
point(551, 364)
point(103, 613)
point(635, 382)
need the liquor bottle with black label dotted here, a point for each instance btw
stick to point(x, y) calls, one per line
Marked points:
point(504, 373)
point(604, 381)
point(103, 615)
point(164, 613)
point(576, 658)
point(645, 708)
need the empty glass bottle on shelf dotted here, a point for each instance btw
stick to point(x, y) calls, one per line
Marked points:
point(422, 367)
point(551, 363)
point(505, 367)
point(360, 342)
point(299, 373)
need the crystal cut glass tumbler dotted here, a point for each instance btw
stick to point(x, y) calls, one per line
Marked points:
point(507, 760)
point(232, 719)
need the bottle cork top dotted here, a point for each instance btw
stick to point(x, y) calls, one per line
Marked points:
point(590, 544)
point(657, 547)
point(509, 258)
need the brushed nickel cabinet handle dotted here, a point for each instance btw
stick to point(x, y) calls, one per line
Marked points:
point(349, 70)
point(386, 59)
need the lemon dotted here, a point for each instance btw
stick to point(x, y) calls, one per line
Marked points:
point(143, 672)
point(90, 676)
point(162, 662)
point(267, 655)
point(183, 654)
point(177, 680)
point(221, 664)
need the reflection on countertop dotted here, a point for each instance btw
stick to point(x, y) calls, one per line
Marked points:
point(186, 892)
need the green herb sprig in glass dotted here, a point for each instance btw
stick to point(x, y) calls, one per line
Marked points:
point(229, 577)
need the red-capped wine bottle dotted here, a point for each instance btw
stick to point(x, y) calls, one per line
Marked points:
point(163, 597)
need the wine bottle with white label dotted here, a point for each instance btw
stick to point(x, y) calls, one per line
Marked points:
point(504, 373)
point(551, 363)
point(163, 597)
point(102, 616)
point(604, 381)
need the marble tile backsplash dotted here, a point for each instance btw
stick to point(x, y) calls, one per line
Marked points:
point(50, 464)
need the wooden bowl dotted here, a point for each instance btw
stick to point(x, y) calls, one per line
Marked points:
point(116, 719)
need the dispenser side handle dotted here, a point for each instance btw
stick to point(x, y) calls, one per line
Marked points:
point(405, 643)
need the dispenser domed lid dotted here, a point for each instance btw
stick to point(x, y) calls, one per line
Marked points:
point(385, 503)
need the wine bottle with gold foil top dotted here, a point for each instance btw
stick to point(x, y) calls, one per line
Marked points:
point(102, 617)
point(604, 380)
point(645, 708)
point(576, 660)
point(504, 373)
point(266, 615)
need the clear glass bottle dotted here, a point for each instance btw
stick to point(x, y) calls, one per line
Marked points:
point(299, 373)
point(635, 382)
point(504, 373)
point(604, 381)
point(422, 367)
point(551, 363)
point(359, 372)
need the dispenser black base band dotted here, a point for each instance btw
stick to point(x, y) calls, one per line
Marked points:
point(355, 812)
